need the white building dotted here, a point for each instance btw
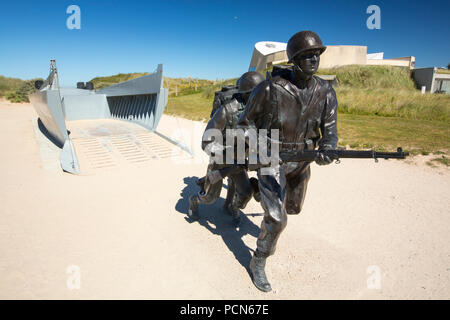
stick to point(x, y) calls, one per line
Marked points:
point(268, 53)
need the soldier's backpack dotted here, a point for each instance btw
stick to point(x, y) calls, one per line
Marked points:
point(283, 71)
point(222, 96)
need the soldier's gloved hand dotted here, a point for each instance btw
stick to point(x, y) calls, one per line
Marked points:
point(322, 159)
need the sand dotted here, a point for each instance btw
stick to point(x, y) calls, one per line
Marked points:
point(120, 230)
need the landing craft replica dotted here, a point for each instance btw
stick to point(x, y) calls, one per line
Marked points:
point(141, 100)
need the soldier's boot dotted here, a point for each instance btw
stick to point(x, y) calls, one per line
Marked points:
point(231, 189)
point(193, 208)
point(255, 189)
point(235, 213)
point(259, 278)
point(201, 183)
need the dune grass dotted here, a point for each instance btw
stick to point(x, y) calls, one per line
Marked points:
point(386, 91)
point(369, 77)
point(208, 92)
point(16, 90)
point(102, 82)
point(176, 86)
point(402, 103)
point(8, 84)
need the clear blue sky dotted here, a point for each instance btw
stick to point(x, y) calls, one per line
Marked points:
point(203, 39)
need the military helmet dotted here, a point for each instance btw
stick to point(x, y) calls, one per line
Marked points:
point(249, 80)
point(237, 82)
point(303, 41)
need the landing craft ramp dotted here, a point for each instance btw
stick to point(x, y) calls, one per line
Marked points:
point(89, 125)
point(106, 144)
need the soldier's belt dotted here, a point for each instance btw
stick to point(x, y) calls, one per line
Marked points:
point(308, 144)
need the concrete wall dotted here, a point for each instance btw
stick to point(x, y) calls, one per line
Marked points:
point(424, 77)
point(444, 78)
point(399, 62)
point(430, 78)
point(336, 56)
point(261, 62)
point(257, 62)
point(79, 107)
point(276, 57)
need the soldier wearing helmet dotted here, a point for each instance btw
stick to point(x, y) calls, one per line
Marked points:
point(224, 118)
point(303, 108)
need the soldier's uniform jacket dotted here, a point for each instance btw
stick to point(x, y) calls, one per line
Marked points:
point(305, 118)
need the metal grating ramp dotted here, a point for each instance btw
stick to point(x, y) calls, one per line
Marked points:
point(108, 144)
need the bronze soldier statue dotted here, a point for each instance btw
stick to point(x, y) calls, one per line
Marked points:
point(226, 94)
point(303, 108)
point(240, 189)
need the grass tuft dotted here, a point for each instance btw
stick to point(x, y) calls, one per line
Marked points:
point(442, 160)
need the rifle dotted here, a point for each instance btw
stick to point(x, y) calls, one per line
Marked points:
point(309, 156)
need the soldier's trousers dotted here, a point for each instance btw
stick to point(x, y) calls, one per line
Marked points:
point(283, 192)
point(241, 185)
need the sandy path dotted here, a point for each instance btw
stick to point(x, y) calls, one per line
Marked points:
point(125, 227)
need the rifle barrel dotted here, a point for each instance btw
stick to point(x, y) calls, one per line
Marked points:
point(358, 154)
point(310, 155)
